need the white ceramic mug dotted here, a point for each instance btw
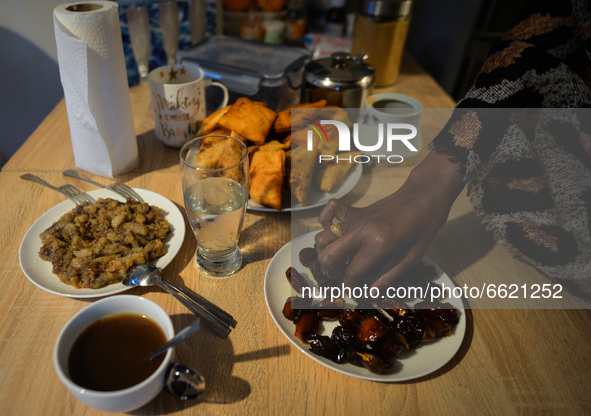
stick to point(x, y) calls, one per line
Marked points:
point(174, 377)
point(390, 114)
point(178, 101)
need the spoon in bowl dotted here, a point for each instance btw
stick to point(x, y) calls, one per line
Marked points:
point(182, 335)
point(217, 319)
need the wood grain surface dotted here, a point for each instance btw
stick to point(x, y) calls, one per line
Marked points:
point(511, 362)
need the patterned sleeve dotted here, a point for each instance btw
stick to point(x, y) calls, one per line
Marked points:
point(523, 139)
point(540, 63)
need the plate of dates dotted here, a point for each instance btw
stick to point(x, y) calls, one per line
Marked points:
point(380, 339)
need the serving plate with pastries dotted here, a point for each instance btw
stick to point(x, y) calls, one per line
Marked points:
point(284, 174)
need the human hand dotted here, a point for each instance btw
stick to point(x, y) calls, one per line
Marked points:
point(385, 239)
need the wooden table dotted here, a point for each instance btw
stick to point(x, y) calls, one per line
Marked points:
point(527, 361)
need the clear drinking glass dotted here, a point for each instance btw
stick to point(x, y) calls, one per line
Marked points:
point(138, 24)
point(214, 179)
point(169, 25)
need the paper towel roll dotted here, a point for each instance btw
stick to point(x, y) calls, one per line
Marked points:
point(92, 71)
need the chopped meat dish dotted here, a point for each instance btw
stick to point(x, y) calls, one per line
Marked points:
point(94, 245)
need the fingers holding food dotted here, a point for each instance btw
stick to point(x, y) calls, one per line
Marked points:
point(334, 257)
point(392, 272)
point(324, 238)
point(334, 209)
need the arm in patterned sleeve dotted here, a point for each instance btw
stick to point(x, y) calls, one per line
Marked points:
point(522, 137)
point(515, 140)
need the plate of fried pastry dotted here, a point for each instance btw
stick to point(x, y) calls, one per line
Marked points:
point(286, 172)
point(85, 251)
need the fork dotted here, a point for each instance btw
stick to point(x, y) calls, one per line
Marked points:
point(119, 187)
point(68, 190)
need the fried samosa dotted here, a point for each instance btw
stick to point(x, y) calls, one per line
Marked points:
point(285, 121)
point(251, 120)
point(332, 172)
point(302, 169)
point(209, 153)
point(231, 156)
point(211, 122)
point(266, 178)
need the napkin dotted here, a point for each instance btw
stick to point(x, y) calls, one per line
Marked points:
point(92, 71)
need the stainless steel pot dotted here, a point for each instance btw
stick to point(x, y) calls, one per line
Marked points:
point(340, 79)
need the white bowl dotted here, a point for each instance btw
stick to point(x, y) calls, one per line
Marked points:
point(120, 400)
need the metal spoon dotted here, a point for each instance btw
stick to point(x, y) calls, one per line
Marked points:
point(181, 336)
point(149, 275)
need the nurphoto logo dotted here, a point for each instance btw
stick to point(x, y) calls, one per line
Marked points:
point(389, 135)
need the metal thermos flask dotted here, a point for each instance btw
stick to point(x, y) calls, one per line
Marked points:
point(341, 79)
point(380, 31)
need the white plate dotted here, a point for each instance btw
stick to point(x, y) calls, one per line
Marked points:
point(39, 272)
point(424, 360)
point(316, 197)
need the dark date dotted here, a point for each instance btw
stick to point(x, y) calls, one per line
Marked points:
point(326, 347)
point(328, 310)
point(296, 280)
point(410, 330)
point(294, 307)
point(374, 363)
point(372, 335)
point(307, 256)
point(394, 307)
point(306, 326)
point(439, 317)
point(347, 337)
point(318, 273)
point(371, 330)
point(350, 319)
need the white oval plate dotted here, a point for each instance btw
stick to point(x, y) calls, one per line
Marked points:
point(424, 360)
point(39, 272)
point(316, 197)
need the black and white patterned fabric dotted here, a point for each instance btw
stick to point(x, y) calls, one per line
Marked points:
point(523, 137)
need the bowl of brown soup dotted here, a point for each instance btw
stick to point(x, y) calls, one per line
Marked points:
point(102, 353)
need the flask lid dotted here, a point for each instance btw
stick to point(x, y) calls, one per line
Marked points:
point(340, 71)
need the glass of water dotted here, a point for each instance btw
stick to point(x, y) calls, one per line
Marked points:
point(214, 179)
